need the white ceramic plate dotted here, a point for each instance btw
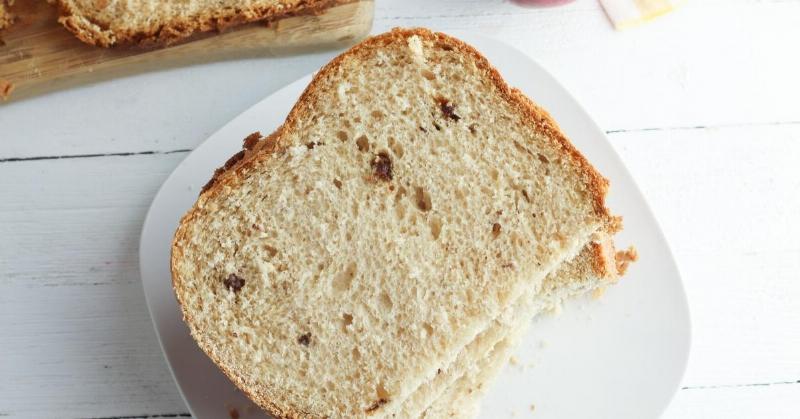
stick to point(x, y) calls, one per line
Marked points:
point(621, 356)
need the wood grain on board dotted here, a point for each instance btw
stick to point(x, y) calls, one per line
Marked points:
point(39, 55)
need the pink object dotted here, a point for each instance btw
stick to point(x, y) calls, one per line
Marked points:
point(541, 3)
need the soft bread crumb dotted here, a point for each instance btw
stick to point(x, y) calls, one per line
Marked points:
point(417, 52)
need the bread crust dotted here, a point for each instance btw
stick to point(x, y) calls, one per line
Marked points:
point(256, 151)
point(94, 32)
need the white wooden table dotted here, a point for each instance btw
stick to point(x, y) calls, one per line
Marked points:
point(702, 104)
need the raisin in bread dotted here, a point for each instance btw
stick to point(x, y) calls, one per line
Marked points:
point(410, 197)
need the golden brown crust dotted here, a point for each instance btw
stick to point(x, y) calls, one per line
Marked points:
point(93, 32)
point(624, 258)
point(603, 263)
point(256, 151)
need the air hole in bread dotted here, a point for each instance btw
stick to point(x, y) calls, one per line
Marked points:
point(516, 240)
point(542, 158)
point(376, 114)
point(521, 148)
point(337, 183)
point(428, 74)
point(494, 174)
point(473, 129)
point(356, 354)
point(428, 329)
point(271, 251)
point(396, 148)
point(386, 302)
point(347, 320)
point(362, 143)
point(341, 135)
point(423, 199)
point(342, 281)
point(401, 211)
point(400, 192)
point(381, 392)
point(437, 126)
point(459, 194)
point(436, 227)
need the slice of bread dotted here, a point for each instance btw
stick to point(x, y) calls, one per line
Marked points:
point(581, 276)
point(145, 22)
point(409, 198)
point(594, 268)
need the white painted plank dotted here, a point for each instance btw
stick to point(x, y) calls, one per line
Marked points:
point(71, 300)
point(708, 63)
point(778, 401)
point(77, 337)
point(728, 201)
point(166, 110)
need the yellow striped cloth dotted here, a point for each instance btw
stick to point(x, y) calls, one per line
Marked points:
point(627, 13)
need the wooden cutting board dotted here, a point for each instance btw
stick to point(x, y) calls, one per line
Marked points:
point(38, 55)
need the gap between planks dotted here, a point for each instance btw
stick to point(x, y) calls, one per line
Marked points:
point(187, 150)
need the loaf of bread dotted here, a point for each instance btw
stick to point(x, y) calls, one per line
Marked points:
point(145, 22)
point(409, 199)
